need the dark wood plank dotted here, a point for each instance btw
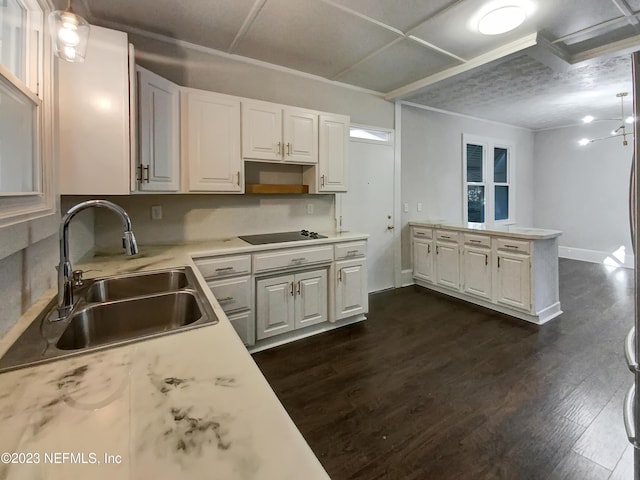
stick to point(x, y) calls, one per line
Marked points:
point(433, 388)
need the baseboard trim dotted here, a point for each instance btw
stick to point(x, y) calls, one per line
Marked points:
point(597, 256)
point(406, 278)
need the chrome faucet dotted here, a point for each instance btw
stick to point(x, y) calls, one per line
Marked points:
point(65, 272)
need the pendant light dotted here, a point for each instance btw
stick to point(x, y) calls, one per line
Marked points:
point(69, 34)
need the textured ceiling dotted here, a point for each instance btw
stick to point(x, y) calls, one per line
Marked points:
point(425, 51)
point(527, 93)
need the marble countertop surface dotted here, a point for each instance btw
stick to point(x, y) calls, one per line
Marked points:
point(513, 231)
point(189, 405)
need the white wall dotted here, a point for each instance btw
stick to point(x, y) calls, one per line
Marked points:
point(198, 69)
point(432, 167)
point(583, 191)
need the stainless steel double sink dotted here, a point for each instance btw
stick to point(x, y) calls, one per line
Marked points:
point(113, 311)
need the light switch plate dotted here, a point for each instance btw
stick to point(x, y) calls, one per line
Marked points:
point(310, 208)
point(419, 206)
point(406, 208)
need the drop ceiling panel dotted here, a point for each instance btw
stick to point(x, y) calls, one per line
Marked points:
point(524, 92)
point(311, 36)
point(207, 23)
point(560, 18)
point(398, 65)
point(580, 44)
point(389, 13)
point(634, 4)
point(453, 31)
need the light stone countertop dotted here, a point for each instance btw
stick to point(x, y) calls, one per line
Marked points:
point(189, 405)
point(512, 231)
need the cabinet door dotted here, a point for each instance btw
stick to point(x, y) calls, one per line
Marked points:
point(262, 131)
point(300, 134)
point(351, 288)
point(311, 298)
point(476, 271)
point(448, 264)
point(211, 126)
point(423, 259)
point(274, 306)
point(243, 324)
point(159, 124)
point(333, 153)
point(514, 284)
point(94, 118)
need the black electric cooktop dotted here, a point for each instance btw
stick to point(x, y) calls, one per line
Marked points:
point(281, 237)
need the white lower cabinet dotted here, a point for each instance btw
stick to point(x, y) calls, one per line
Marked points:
point(288, 302)
point(244, 326)
point(476, 268)
point(351, 288)
point(448, 264)
point(514, 280)
point(423, 253)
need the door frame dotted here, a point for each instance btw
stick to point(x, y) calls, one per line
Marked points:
point(396, 241)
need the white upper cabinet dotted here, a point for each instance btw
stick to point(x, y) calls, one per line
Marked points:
point(300, 134)
point(275, 133)
point(211, 142)
point(333, 153)
point(94, 118)
point(158, 168)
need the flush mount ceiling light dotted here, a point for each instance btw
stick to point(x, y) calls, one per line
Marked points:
point(69, 34)
point(621, 131)
point(502, 20)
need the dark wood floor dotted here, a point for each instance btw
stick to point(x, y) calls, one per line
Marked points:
point(433, 388)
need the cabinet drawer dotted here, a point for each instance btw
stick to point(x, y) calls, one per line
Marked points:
point(447, 235)
point(350, 250)
point(244, 326)
point(224, 266)
point(233, 294)
point(514, 245)
point(477, 240)
point(263, 262)
point(422, 232)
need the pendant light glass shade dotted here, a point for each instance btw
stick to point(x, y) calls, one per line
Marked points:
point(69, 35)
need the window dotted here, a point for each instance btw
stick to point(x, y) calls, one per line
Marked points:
point(21, 60)
point(371, 135)
point(488, 191)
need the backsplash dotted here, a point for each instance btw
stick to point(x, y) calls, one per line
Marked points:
point(192, 218)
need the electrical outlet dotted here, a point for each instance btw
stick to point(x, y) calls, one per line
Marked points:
point(156, 212)
point(419, 206)
point(310, 208)
point(406, 208)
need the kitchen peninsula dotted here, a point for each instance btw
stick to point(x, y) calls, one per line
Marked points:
point(510, 269)
point(188, 405)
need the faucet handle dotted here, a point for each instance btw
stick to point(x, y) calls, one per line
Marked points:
point(77, 278)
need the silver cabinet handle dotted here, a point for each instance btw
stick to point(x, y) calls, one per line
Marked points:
point(437, 250)
point(299, 260)
point(475, 241)
point(629, 350)
point(428, 249)
point(322, 181)
point(299, 286)
point(445, 236)
point(498, 262)
point(289, 149)
point(238, 177)
point(225, 299)
point(512, 246)
point(629, 414)
point(340, 275)
point(225, 269)
point(279, 148)
point(292, 289)
point(632, 203)
point(141, 170)
point(486, 259)
point(420, 234)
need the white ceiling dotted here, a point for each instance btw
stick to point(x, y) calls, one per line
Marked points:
point(559, 65)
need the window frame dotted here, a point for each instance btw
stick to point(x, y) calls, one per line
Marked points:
point(38, 88)
point(488, 176)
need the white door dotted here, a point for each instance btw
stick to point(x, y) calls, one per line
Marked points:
point(368, 207)
point(311, 298)
point(159, 117)
point(448, 264)
point(274, 306)
point(351, 294)
point(514, 284)
point(476, 268)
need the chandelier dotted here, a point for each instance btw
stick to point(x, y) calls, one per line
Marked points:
point(621, 131)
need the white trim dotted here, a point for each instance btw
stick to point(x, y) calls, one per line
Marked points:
point(248, 21)
point(233, 56)
point(595, 256)
point(397, 195)
point(496, 54)
point(462, 115)
point(407, 278)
